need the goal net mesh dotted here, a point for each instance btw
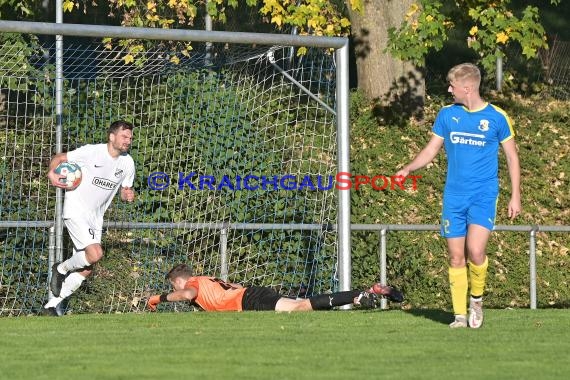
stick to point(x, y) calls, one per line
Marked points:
point(235, 155)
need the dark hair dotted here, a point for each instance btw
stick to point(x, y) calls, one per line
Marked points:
point(180, 270)
point(116, 126)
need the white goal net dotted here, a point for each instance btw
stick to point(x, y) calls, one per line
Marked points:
point(235, 148)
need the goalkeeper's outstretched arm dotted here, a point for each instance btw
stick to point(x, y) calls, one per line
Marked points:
point(178, 295)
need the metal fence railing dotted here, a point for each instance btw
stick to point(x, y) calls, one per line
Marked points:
point(383, 229)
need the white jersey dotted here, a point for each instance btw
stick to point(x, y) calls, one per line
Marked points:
point(102, 175)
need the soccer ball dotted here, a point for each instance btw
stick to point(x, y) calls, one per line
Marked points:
point(72, 173)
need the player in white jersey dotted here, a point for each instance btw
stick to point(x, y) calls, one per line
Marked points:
point(105, 169)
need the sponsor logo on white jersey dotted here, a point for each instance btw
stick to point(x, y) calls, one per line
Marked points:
point(467, 138)
point(104, 183)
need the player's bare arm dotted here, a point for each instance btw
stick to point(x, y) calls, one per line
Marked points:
point(178, 295)
point(423, 158)
point(53, 177)
point(127, 194)
point(182, 295)
point(510, 149)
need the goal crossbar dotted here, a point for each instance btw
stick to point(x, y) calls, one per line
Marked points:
point(102, 31)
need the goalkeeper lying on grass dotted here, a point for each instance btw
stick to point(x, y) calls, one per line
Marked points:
point(212, 294)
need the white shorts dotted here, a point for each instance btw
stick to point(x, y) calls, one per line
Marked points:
point(84, 232)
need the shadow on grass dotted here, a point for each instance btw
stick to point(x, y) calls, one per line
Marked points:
point(435, 315)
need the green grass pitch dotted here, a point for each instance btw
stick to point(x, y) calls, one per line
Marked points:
point(417, 344)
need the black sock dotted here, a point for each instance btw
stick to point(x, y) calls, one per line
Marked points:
point(328, 301)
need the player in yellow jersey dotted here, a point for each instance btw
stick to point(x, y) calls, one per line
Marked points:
point(471, 130)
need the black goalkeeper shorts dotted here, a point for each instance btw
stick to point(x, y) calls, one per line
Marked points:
point(259, 298)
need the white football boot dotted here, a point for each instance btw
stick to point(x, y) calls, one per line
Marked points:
point(475, 313)
point(459, 322)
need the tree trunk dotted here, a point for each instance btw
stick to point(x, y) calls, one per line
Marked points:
point(396, 86)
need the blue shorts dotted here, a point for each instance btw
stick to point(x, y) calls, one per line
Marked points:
point(461, 210)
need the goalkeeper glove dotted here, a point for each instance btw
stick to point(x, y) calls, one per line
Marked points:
point(155, 300)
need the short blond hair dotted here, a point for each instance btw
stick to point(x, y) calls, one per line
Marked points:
point(465, 72)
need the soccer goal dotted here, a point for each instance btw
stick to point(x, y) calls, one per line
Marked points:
point(236, 146)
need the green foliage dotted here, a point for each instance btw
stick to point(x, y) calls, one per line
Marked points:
point(426, 30)
point(417, 262)
point(310, 17)
point(15, 67)
point(201, 121)
point(223, 122)
point(25, 140)
point(201, 129)
point(499, 27)
point(16, 8)
point(488, 28)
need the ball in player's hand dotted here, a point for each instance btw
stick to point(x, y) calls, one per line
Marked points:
point(72, 173)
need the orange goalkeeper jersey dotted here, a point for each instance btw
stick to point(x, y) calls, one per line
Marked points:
point(215, 294)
